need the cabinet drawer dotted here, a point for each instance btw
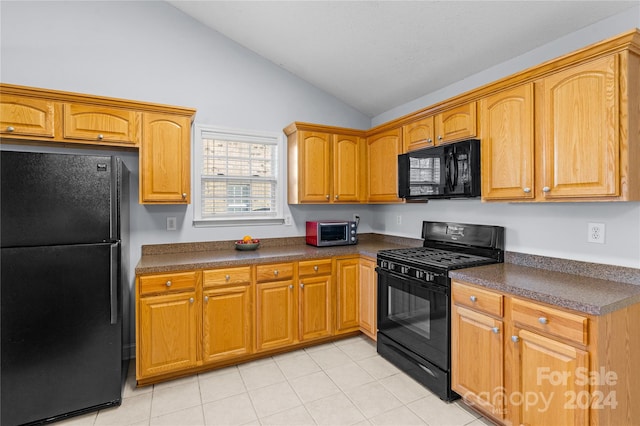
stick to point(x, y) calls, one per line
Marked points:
point(314, 267)
point(477, 298)
point(227, 276)
point(567, 325)
point(168, 282)
point(274, 272)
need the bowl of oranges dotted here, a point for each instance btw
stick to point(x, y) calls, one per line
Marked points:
point(247, 243)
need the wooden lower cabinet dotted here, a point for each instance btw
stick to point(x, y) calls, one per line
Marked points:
point(522, 362)
point(368, 297)
point(167, 333)
point(226, 314)
point(191, 321)
point(275, 315)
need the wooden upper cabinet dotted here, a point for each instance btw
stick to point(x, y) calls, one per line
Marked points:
point(314, 177)
point(507, 153)
point(165, 159)
point(347, 168)
point(382, 154)
point(456, 124)
point(101, 124)
point(25, 116)
point(324, 166)
point(578, 115)
point(419, 134)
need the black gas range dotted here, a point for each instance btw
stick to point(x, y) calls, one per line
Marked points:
point(414, 297)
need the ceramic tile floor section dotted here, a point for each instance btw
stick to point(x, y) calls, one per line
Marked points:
point(340, 383)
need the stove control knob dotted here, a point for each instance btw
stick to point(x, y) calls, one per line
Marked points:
point(420, 275)
point(384, 264)
point(404, 269)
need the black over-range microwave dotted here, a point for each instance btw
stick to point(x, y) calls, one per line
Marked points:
point(444, 171)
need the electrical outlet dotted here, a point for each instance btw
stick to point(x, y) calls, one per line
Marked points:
point(171, 223)
point(399, 220)
point(287, 220)
point(595, 233)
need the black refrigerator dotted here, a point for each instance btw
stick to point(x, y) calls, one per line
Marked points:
point(64, 284)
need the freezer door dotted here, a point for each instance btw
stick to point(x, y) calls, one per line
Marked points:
point(60, 353)
point(55, 199)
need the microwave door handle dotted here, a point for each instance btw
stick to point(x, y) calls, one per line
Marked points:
point(447, 171)
point(455, 170)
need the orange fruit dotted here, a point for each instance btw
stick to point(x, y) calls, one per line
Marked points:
point(247, 239)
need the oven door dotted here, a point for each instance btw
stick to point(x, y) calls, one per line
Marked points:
point(415, 314)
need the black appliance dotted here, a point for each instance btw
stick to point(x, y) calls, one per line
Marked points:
point(414, 317)
point(444, 171)
point(64, 286)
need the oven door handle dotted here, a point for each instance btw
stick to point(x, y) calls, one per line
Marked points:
point(436, 288)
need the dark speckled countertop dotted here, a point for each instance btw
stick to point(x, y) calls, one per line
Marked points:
point(590, 288)
point(180, 257)
point(584, 291)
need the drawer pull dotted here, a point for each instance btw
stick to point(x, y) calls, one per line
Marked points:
point(495, 330)
point(10, 129)
point(206, 298)
point(474, 299)
point(227, 277)
point(168, 283)
point(275, 272)
point(100, 136)
point(543, 320)
point(315, 268)
point(191, 300)
point(301, 285)
point(515, 339)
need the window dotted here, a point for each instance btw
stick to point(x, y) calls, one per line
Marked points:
point(237, 177)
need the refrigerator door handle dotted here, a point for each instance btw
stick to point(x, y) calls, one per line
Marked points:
point(113, 284)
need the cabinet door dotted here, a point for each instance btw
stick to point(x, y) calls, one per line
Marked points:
point(368, 296)
point(315, 307)
point(418, 134)
point(24, 116)
point(347, 169)
point(507, 144)
point(314, 167)
point(547, 369)
point(477, 359)
point(165, 158)
point(101, 124)
point(275, 315)
point(382, 153)
point(167, 333)
point(347, 297)
point(456, 124)
point(226, 323)
point(580, 140)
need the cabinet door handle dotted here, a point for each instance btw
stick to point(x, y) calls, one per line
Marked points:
point(10, 129)
point(191, 300)
point(515, 339)
point(546, 189)
point(275, 272)
point(291, 286)
point(227, 277)
point(100, 136)
point(429, 140)
point(543, 320)
point(184, 195)
point(206, 298)
point(327, 196)
point(301, 285)
point(439, 137)
point(168, 283)
point(315, 268)
point(474, 299)
point(336, 197)
point(495, 330)
point(527, 190)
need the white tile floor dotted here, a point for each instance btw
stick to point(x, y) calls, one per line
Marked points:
point(340, 383)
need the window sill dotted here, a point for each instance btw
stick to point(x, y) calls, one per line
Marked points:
point(208, 223)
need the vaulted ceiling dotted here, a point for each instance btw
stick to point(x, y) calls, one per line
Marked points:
point(376, 55)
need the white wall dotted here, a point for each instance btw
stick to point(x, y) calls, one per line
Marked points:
point(549, 229)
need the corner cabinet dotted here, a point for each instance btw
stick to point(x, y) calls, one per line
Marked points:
point(165, 158)
point(382, 155)
point(161, 133)
point(326, 165)
point(522, 362)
